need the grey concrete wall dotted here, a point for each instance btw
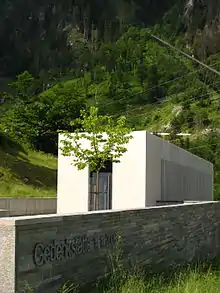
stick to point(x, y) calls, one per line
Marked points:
point(175, 174)
point(52, 249)
point(153, 169)
point(185, 175)
point(3, 213)
point(28, 206)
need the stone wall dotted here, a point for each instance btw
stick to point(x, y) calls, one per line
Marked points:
point(52, 249)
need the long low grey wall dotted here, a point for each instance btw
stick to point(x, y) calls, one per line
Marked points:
point(3, 213)
point(46, 251)
point(28, 206)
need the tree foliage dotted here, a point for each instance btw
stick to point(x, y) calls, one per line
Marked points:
point(73, 55)
point(34, 119)
point(44, 35)
point(97, 139)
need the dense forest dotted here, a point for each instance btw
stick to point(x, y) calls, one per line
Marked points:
point(59, 57)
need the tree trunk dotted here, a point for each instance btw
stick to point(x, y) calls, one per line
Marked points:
point(97, 192)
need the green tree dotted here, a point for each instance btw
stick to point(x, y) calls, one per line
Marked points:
point(106, 137)
point(22, 83)
point(35, 121)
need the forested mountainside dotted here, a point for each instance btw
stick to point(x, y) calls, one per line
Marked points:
point(202, 19)
point(41, 35)
point(59, 57)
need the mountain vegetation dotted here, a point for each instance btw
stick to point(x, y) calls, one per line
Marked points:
point(26, 173)
point(61, 57)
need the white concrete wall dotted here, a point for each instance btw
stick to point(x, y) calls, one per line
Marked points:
point(72, 185)
point(129, 176)
point(151, 170)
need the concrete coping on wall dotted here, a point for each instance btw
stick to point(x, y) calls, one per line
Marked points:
point(32, 220)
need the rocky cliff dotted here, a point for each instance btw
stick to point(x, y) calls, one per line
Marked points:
point(33, 35)
point(202, 19)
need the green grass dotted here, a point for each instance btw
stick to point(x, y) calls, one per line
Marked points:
point(190, 281)
point(26, 173)
point(157, 117)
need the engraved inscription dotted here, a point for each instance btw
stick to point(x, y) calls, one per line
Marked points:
point(70, 247)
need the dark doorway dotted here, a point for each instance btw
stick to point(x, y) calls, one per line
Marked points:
point(101, 198)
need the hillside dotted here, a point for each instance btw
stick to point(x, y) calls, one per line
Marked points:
point(64, 57)
point(40, 36)
point(202, 21)
point(26, 173)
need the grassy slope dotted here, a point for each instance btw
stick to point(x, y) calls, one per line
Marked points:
point(26, 173)
point(156, 118)
point(197, 279)
point(191, 282)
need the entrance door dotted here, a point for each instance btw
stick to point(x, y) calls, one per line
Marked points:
point(101, 198)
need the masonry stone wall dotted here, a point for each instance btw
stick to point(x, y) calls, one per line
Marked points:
point(50, 250)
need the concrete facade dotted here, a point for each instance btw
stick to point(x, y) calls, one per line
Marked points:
point(151, 170)
point(72, 185)
point(129, 176)
point(46, 251)
point(27, 206)
point(176, 174)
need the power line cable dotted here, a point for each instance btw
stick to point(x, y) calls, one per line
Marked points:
point(187, 124)
point(185, 54)
point(157, 86)
point(169, 98)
